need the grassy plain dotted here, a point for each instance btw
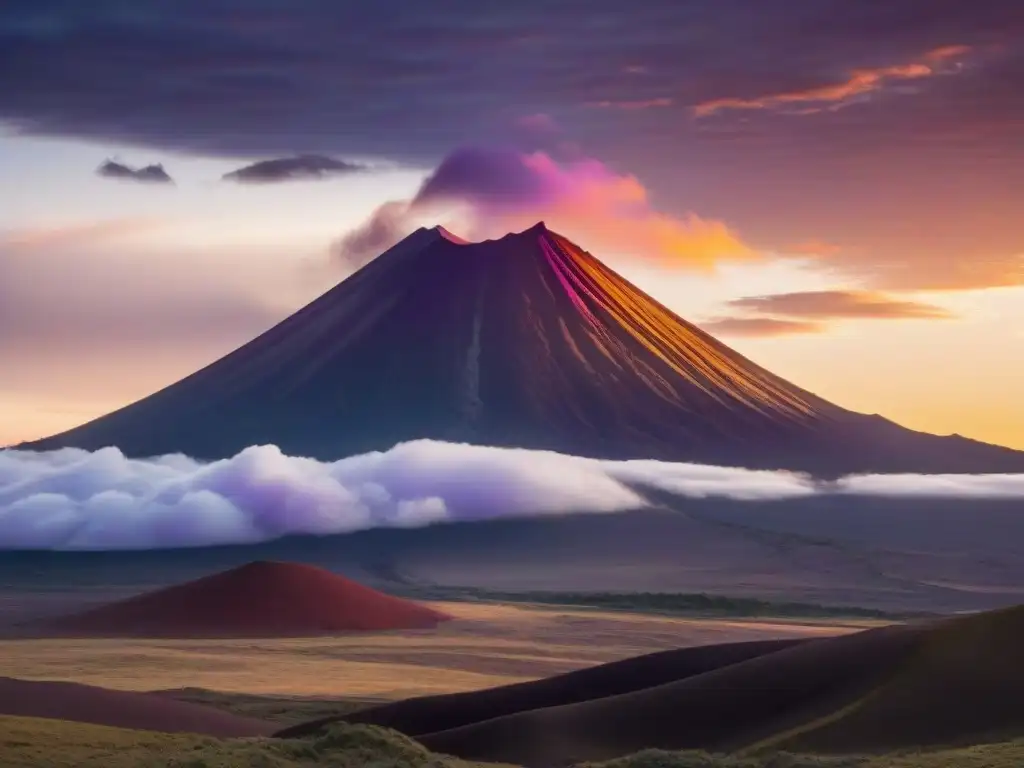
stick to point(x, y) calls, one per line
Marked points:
point(33, 743)
point(488, 644)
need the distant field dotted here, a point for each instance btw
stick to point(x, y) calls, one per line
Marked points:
point(898, 688)
point(35, 743)
point(488, 644)
point(32, 743)
point(669, 604)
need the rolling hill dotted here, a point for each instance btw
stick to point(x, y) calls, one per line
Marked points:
point(949, 682)
point(259, 599)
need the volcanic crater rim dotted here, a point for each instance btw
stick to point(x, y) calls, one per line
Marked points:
point(537, 229)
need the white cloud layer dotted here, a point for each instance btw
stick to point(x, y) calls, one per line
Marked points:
point(74, 499)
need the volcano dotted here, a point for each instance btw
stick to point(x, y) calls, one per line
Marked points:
point(260, 599)
point(525, 341)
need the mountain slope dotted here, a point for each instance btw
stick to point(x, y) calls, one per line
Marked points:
point(524, 341)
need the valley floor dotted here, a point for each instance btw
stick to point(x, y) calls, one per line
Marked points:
point(487, 645)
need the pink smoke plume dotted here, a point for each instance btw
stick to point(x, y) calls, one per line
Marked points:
point(486, 192)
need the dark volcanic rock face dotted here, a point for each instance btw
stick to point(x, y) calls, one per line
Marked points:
point(525, 341)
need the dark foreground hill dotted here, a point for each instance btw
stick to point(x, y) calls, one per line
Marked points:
point(260, 599)
point(953, 681)
point(123, 709)
point(526, 341)
point(30, 743)
point(427, 714)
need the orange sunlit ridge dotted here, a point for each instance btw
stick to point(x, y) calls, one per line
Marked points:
point(665, 335)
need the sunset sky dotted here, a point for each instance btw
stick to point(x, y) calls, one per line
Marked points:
point(834, 188)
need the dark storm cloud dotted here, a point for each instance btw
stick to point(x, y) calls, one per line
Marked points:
point(149, 174)
point(407, 81)
point(297, 168)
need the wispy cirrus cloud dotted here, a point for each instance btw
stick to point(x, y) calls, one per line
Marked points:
point(833, 305)
point(803, 312)
point(860, 83)
point(760, 327)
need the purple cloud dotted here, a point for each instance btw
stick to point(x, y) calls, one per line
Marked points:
point(497, 190)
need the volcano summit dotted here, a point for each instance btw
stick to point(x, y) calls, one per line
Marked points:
point(525, 341)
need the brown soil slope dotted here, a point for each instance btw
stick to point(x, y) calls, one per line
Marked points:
point(939, 683)
point(121, 709)
point(526, 341)
point(428, 714)
point(260, 599)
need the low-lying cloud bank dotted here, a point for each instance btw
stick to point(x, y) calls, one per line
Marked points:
point(74, 499)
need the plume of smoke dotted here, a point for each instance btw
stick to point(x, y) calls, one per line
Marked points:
point(75, 499)
point(490, 191)
point(386, 226)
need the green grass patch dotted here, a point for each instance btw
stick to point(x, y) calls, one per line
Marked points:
point(1003, 755)
point(38, 743)
point(286, 710)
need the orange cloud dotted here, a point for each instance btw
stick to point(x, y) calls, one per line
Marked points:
point(933, 266)
point(786, 314)
point(488, 192)
point(969, 272)
point(812, 248)
point(839, 304)
point(689, 241)
point(759, 327)
point(612, 213)
point(860, 82)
